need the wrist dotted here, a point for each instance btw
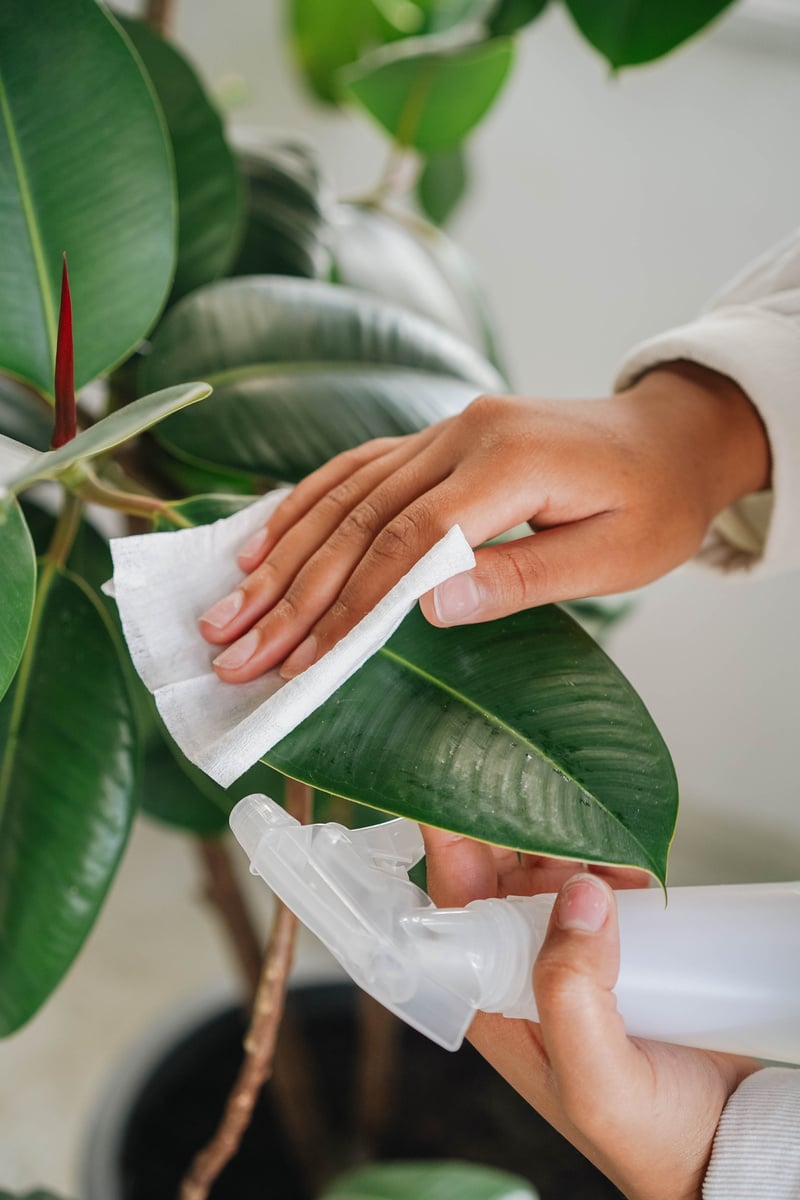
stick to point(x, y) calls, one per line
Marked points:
point(714, 422)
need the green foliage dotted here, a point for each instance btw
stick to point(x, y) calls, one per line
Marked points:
point(523, 732)
point(628, 32)
point(285, 226)
point(23, 415)
point(19, 586)
point(303, 370)
point(429, 1181)
point(103, 191)
point(39, 1194)
point(410, 263)
point(210, 201)
point(442, 184)
point(67, 788)
point(108, 433)
point(326, 37)
point(429, 94)
point(509, 16)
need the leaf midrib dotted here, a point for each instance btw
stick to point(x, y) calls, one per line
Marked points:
point(357, 366)
point(34, 233)
point(493, 719)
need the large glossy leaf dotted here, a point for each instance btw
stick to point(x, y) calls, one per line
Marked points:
point(302, 370)
point(410, 262)
point(67, 786)
point(637, 31)
point(431, 99)
point(111, 431)
point(286, 226)
point(326, 37)
point(429, 1181)
point(18, 572)
point(520, 732)
point(85, 167)
point(24, 415)
point(210, 200)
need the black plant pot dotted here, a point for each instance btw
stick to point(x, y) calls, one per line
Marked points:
point(444, 1106)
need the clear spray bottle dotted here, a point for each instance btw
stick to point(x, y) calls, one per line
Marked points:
point(715, 967)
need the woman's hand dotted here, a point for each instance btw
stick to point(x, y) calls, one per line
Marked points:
point(644, 1112)
point(619, 491)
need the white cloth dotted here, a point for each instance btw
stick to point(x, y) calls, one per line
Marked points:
point(751, 333)
point(164, 581)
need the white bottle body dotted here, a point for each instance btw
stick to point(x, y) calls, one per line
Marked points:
point(716, 967)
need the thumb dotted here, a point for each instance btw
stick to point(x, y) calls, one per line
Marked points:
point(575, 971)
point(586, 558)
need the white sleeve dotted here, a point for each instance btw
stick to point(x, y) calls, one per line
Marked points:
point(756, 1152)
point(751, 333)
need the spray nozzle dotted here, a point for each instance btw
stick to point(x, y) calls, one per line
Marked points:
point(351, 888)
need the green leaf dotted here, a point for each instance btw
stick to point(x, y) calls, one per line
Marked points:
point(67, 786)
point(431, 99)
point(85, 167)
point(23, 415)
point(285, 228)
point(409, 262)
point(429, 1181)
point(327, 37)
point(302, 370)
point(509, 16)
point(114, 429)
point(210, 199)
point(442, 184)
point(520, 732)
point(19, 586)
point(628, 32)
point(441, 15)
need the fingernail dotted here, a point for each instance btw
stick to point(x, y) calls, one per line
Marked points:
point(300, 659)
point(583, 903)
point(240, 652)
point(254, 544)
point(223, 612)
point(456, 599)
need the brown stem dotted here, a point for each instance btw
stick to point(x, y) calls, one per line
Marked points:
point(224, 893)
point(379, 1044)
point(259, 1044)
point(160, 16)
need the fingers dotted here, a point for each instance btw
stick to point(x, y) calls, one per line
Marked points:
point(593, 557)
point(308, 573)
point(582, 1031)
point(459, 869)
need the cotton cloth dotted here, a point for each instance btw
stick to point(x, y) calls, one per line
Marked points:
point(163, 582)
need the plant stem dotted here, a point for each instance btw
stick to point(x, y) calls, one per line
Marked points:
point(259, 1043)
point(160, 16)
point(67, 525)
point(224, 893)
point(135, 504)
point(379, 1043)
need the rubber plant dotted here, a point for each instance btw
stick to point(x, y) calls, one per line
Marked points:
point(310, 325)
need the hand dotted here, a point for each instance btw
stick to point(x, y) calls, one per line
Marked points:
point(644, 1112)
point(619, 490)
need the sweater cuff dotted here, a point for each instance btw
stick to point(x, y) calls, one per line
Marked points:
point(756, 1152)
point(759, 350)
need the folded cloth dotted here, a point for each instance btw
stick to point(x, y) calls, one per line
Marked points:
point(164, 581)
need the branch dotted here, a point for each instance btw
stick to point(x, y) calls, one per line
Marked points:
point(160, 16)
point(259, 1043)
point(378, 1050)
point(224, 893)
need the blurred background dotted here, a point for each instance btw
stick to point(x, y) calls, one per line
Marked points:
point(601, 210)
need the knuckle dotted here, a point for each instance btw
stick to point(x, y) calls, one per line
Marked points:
point(341, 498)
point(486, 410)
point(400, 536)
point(365, 518)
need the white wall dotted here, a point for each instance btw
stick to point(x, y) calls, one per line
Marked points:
point(604, 210)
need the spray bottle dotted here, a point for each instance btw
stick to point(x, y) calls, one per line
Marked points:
point(715, 967)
